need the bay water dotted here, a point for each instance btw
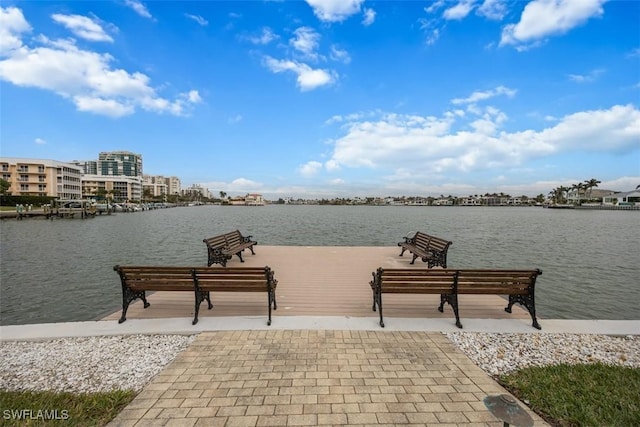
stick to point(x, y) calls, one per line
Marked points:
point(62, 270)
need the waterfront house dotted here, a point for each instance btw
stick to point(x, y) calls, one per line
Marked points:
point(253, 199)
point(631, 198)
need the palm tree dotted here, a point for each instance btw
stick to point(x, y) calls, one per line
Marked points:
point(223, 194)
point(590, 184)
point(575, 188)
point(562, 190)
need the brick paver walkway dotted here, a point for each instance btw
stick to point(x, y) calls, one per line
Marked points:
point(316, 377)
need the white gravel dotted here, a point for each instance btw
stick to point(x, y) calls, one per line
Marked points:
point(130, 362)
point(86, 365)
point(501, 353)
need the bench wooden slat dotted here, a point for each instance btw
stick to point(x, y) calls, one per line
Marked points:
point(519, 285)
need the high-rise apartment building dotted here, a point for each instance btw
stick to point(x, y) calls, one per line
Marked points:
point(118, 163)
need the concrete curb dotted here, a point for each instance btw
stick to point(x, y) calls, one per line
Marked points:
point(237, 323)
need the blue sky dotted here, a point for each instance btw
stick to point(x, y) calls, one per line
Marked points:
point(331, 98)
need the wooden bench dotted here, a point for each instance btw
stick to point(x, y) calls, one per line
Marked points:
point(432, 250)
point(519, 285)
point(137, 280)
point(221, 248)
point(234, 279)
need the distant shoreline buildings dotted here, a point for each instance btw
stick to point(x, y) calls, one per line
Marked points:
point(117, 175)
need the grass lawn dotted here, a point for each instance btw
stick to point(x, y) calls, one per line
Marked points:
point(61, 409)
point(579, 395)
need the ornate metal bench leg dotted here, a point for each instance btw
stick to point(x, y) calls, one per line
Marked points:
point(442, 301)
point(401, 252)
point(453, 301)
point(208, 298)
point(269, 298)
point(143, 297)
point(252, 252)
point(199, 297)
point(239, 254)
point(414, 258)
point(527, 302)
point(379, 298)
point(128, 296)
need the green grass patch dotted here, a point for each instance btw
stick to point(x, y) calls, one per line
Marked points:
point(61, 409)
point(579, 395)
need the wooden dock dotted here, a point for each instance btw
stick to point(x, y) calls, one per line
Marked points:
point(321, 281)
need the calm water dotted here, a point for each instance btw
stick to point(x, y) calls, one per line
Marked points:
point(61, 270)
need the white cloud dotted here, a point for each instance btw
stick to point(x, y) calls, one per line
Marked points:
point(543, 18)
point(334, 10)
point(337, 181)
point(590, 77)
point(139, 8)
point(307, 77)
point(83, 27)
point(266, 37)
point(459, 11)
point(369, 17)
point(199, 19)
point(40, 141)
point(492, 9)
point(484, 95)
point(86, 78)
point(435, 6)
point(417, 143)
point(306, 41)
point(332, 165)
point(12, 25)
point(105, 107)
point(238, 185)
point(338, 54)
point(310, 169)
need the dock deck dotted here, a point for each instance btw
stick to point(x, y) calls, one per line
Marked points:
point(321, 281)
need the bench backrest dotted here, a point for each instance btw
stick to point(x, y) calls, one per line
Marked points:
point(421, 240)
point(216, 241)
point(238, 279)
point(146, 278)
point(505, 282)
point(233, 239)
point(439, 244)
point(501, 282)
point(415, 281)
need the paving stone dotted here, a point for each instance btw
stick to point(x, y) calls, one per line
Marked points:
point(307, 377)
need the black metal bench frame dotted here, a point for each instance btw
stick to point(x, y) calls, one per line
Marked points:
point(431, 249)
point(519, 285)
point(221, 248)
